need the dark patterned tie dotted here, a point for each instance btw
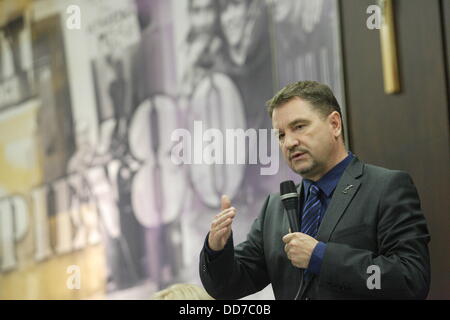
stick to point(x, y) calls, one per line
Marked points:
point(311, 212)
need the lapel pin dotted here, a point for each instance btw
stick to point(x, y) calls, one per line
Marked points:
point(347, 188)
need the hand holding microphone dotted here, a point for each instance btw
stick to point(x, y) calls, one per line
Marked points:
point(220, 229)
point(298, 246)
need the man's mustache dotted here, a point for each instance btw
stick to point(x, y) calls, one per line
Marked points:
point(295, 152)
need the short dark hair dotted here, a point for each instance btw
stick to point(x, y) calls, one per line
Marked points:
point(318, 94)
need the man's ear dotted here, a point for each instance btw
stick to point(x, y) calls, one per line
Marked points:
point(336, 123)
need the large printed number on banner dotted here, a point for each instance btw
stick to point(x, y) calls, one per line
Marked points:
point(217, 103)
point(159, 188)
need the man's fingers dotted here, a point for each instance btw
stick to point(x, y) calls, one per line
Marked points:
point(225, 202)
point(222, 217)
point(220, 232)
point(223, 224)
point(301, 236)
point(224, 212)
point(224, 230)
point(288, 237)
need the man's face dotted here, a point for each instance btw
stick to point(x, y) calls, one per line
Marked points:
point(233, 19)
point(202, 15)
point(307, 140)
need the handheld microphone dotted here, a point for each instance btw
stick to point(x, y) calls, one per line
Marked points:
point(289, 197)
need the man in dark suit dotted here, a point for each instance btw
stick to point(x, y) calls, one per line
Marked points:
point(363, 235)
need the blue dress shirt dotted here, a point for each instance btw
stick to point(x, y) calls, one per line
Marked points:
point(326, 184)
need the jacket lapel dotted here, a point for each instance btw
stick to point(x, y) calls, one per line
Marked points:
point(345, 190)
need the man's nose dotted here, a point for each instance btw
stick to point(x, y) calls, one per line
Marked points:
point(291, 141)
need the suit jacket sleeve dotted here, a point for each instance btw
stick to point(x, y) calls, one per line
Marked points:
point(239, 271)
point(402, 255)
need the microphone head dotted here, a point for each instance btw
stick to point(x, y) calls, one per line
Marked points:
point(287, 186)
point(288, 195)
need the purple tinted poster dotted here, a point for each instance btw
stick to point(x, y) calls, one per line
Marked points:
point(145, 117)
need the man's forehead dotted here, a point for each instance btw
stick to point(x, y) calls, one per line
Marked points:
point(293, 111)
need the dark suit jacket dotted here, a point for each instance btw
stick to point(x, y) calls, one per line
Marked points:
point(374, 218)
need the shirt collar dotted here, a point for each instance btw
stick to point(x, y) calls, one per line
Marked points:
point(330, 180)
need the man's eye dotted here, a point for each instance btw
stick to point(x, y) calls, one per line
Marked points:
point(280, 136)
point(299, 126)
